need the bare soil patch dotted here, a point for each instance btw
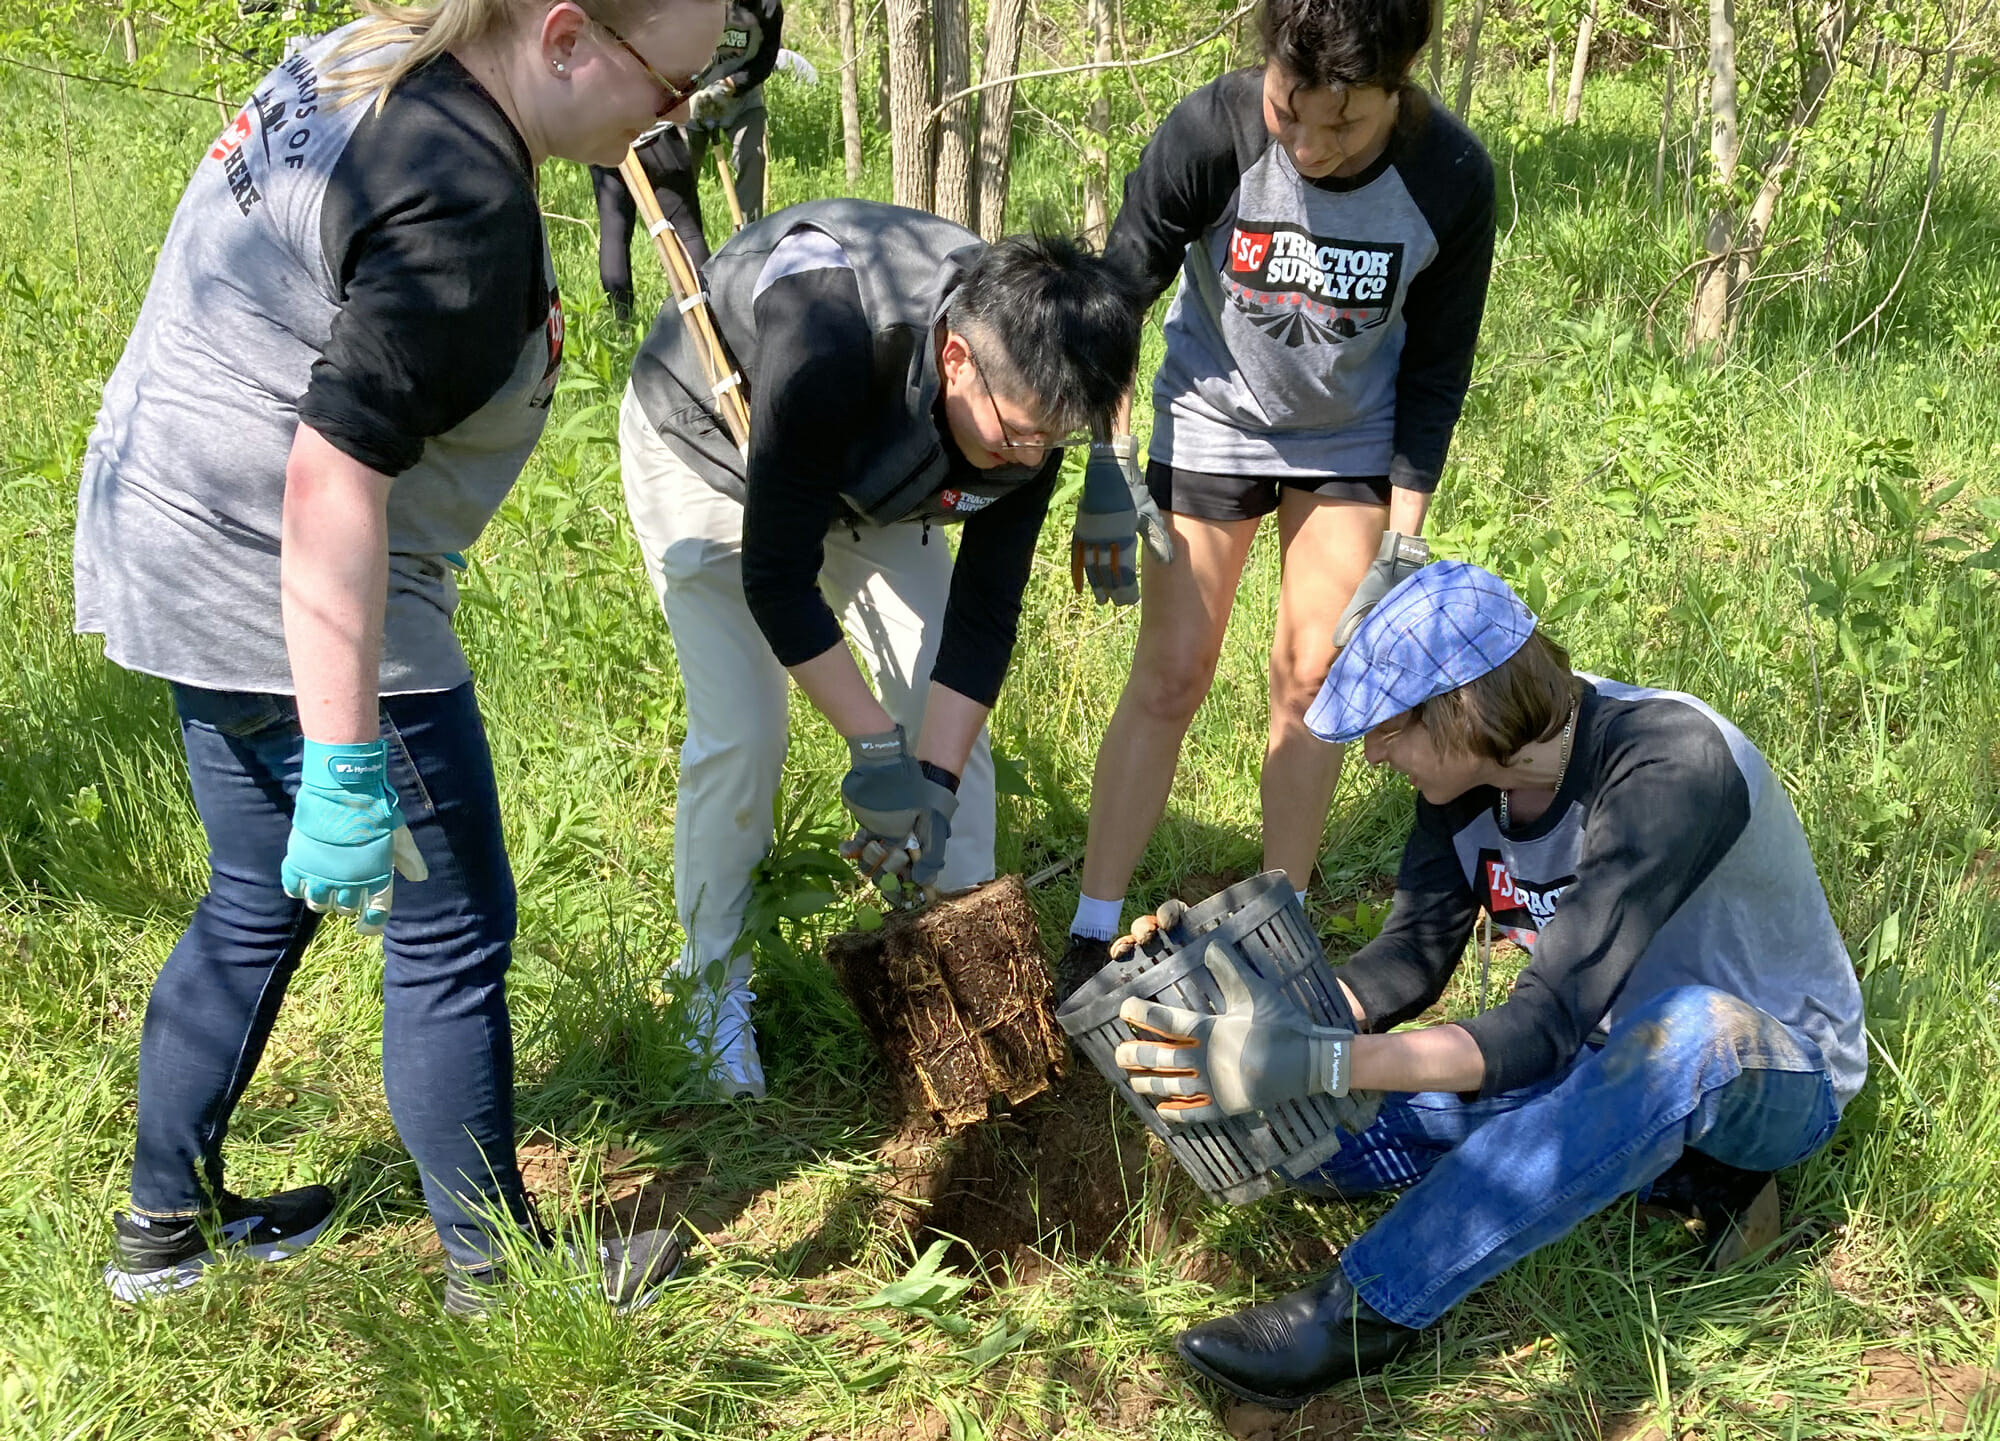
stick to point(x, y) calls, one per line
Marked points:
point(1899, 1389)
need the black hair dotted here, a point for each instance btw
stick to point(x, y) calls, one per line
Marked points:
point(1064, 320)
point(1324, 44)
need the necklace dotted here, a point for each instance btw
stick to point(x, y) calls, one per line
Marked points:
point(1562, 766)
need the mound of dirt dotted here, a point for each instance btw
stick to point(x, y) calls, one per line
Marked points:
point(1069, 1170)
point(957, 997)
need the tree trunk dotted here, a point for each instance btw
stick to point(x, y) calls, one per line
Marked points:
point(1552, 77)
point(1939, 117)
point(1097, 132)
point(1710, 316)
point(1437, 48)
point(1579, 65)
point(1836, 22)
point(850, 90)
point(955, 180)
point(131, 37)
point(909, 104)
point(996, 114)
point(1469, 67)
point(876, 41)
point(1667, 102)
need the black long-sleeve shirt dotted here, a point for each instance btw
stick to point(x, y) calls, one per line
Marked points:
point(1670, 857)
point(812, 410)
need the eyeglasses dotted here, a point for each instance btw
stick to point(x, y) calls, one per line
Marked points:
point(1007, 441)
point(677, 93)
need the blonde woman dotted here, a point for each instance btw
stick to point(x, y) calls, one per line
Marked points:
point(343, 361)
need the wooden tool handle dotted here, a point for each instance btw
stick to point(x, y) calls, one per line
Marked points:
point(725, 384)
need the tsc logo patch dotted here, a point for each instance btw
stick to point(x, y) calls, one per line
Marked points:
point(1305, 288)
point(1519, 908)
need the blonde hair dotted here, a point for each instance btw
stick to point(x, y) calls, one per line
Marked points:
point(428, 31)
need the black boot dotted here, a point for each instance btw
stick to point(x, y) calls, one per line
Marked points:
point(1284, 1352)
point(1738, 1209)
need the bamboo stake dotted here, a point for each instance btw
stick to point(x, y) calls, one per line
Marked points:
point(725, 383)
point(728, 183)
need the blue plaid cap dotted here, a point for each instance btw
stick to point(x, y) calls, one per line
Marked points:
point(1445, 625)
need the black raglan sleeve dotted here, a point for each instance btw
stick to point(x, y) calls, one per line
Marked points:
point(1451, 179)
point(431, 228)
point(983, 615)
point(1670, 804)
point(813, 344)
point(1185, 178)
point(757, 69)
point(1406, 967)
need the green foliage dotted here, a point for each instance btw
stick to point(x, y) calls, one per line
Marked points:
point(1809, 541)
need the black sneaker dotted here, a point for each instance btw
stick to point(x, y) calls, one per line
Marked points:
point(633, 1269)
point(1085, 957)
point(157, 1257)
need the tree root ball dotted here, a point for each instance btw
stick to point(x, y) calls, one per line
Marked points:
point(958, 998)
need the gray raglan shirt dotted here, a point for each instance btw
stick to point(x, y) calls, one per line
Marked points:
point(1322, 327)
point(1670, 857)
point(382, 277)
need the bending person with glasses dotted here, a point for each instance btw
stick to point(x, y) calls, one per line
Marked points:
point(902, 375)
point(344, 359)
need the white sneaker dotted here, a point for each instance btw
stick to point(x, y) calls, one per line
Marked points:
point(723, 1036)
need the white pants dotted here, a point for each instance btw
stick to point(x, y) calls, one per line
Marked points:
point(890, 588)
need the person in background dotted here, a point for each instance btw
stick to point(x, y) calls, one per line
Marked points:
point(663, 155)
point(344, 359)
point(902, 375)
point(1688, 1022)
point(730, 101)
point(1332, 227)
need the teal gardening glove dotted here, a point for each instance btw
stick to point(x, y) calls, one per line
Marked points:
point(1262, 1051)
point(349, 842)
point(1115, 507)
point(904, 817)
point(1399, 557)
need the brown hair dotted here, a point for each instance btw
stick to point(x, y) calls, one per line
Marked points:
point(1524, 699)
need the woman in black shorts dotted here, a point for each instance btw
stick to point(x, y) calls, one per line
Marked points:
point(1333, 230)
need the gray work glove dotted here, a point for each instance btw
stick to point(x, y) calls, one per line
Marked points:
point(904, 816)
point(1114, 509)
point(1262, 1051)
point(709, 103)
point(1400, 556)
point(933, 831)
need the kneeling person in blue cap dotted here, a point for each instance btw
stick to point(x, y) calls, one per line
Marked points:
point(1689, 1020)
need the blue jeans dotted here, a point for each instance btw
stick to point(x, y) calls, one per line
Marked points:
point(1494, 1179)
point(447, 1045)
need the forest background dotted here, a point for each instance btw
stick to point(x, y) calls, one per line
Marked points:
point(1733, 430)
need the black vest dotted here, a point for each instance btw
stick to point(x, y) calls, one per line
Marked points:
point(906, 263)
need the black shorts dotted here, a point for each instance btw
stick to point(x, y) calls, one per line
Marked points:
point(1245, 497)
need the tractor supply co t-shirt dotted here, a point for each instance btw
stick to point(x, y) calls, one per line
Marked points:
point(1322, 327)
point(1670, 857)
point(383, 277)
point(815, 404)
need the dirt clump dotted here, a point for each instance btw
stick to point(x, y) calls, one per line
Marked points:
point(1901, 1390)
point(1324, 1418)
point(957, 996)
point(1068, 1171)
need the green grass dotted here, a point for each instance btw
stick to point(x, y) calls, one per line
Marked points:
point(1769, 534)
